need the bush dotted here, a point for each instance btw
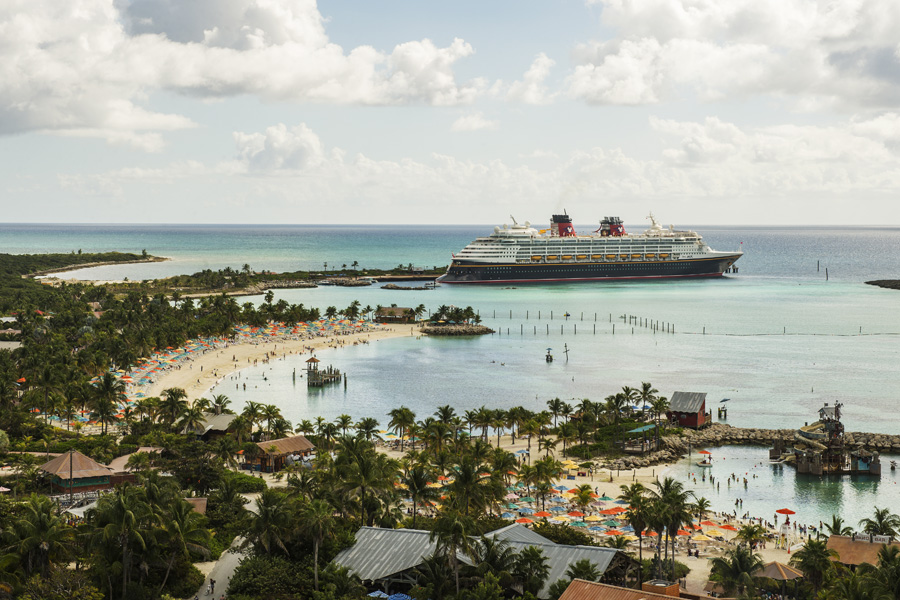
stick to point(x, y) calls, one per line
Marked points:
point(245, 484)
point(563, 534)
point(271, 577)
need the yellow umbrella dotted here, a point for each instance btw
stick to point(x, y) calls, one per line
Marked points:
point(561, 519)
point(701, 538)
point(593, 518)
point(631, 538)
point(434, 485)
point(714, 532)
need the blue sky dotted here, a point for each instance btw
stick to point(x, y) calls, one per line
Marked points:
point(265, 111)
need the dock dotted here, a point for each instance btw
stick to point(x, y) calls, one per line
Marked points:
point(316, 377)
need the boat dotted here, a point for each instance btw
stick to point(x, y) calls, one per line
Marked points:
point(520, 253)
point(703, 463)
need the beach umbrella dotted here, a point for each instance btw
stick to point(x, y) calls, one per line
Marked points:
point(708, 524)
point(713, 532)
point(558, 509)
point(561, 519)
point(785, 511)
point(399, 597)
point(683, 532)
point(543, 513)
point(578, 524)
point(576, 513)
point(605, 498)
point(507, 515)
point(557, 499)
point(704, 452)
point(511, 496)
point(526, 499)
point(611, 523)
point(526, 511)
point(593, 518)
point(728, 527)
point(378, 594)
point(613, 532)
point(524, 520)
point(512, 506)
point(631, 538)
point(701, 538)
point(596, 528)
point(561, 488)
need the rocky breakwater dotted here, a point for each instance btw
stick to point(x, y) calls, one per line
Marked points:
point(462, 329)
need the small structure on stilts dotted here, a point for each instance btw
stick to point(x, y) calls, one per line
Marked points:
point(820, 449)
point(316, 377)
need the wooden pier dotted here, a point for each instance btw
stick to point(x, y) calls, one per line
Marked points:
point(316, 377)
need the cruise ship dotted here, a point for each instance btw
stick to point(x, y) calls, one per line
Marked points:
point(522, 254)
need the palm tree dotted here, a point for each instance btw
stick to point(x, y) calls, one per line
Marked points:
point(367, 427)
point(416, 481)
point(585, 569)
point(434, 576)
point(837, 527)
point(344, 422)
point(318, 520)
point(39, 537)
point(493, 556)
point(636, 499)
point(184, 533)
point(220, 404)
point(109, 392)
point(814, 560)
point(172, 405)
point(192, 419)
point(883, 522)
point(401, 420)
point(555, 406)
point(735, 571)
point(452, 531)
point(532, 569)
point(122, 527)
point(271, 525)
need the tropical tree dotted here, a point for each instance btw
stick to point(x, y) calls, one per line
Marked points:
point(883, 522)
point(452, 531)
point(184, 533)
point(172, 405)
point(735, 571)
point(317, 519)
point(532, 569)
point(837, 527)
point(38, 538)
point(271, 525)
point(109, 392)
point(814, 560)
point(417, 481)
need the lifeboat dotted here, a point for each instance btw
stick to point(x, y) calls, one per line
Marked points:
point(581, 256)
point(664, 256)
point(650, 255)
point(596, 256)
point(623, 256)
point(636, 255)
point(536, 257)
point(610, 257)
point(551, 257)
point(567, 257)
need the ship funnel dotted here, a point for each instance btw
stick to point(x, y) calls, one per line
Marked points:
point(562, 226)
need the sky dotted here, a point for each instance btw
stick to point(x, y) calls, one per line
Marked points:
point(743, 112)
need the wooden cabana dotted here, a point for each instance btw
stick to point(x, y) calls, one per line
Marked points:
point(75, 472)
point(274, 453)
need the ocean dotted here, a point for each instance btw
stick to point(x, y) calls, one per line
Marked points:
point(777, 339)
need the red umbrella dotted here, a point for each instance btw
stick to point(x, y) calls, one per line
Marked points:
point(543, 513)
point(575, 513)
point(20, 380)
point(708, 523)
point(612, 532)
point(728, 527)
point(704, 452)
point(524, 520)
point(785, 511)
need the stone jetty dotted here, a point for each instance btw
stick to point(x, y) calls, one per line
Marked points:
point(462, 329)
point(673, 447)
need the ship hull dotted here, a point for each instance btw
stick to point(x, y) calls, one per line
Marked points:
point(470, 272)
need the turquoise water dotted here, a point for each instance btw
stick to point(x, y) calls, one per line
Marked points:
point(777, 338)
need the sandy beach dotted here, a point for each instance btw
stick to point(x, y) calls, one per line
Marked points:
point(202, 372)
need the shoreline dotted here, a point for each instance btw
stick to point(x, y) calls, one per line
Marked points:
point(199, 375)
point(49, 273)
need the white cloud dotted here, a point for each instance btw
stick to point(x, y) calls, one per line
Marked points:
point(474, 122)
point(818, 54)
point(85, 67)
point(707, 171)
point(532, 89)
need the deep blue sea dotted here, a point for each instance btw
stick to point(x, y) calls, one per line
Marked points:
point(777, 338)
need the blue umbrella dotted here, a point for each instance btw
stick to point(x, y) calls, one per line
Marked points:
point(526, 511)
point(558, 509)
point(507, 515)
point(561, 488)
point(557, 499)
point(521, 451)
point(399, 597)
point(378, 594)
point(597, 528)
point(621, 502)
